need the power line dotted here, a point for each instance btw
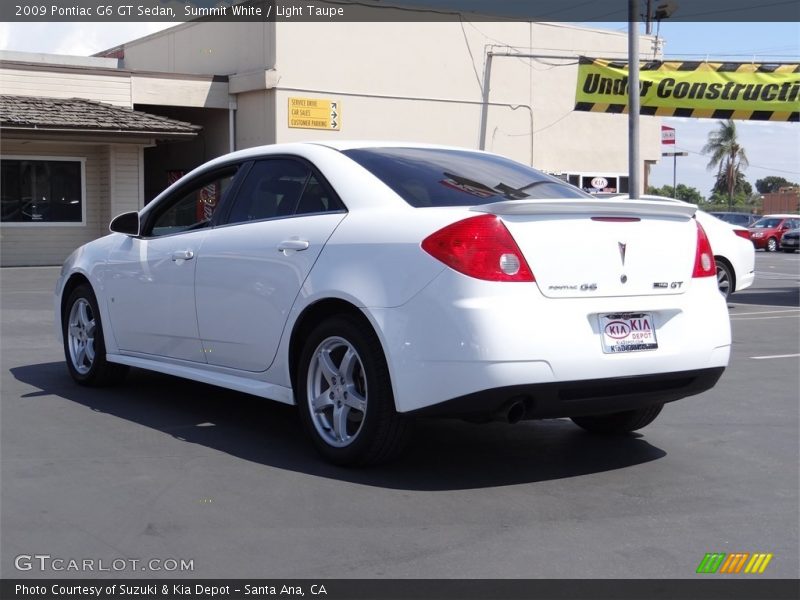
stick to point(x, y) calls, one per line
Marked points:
point(771, 169)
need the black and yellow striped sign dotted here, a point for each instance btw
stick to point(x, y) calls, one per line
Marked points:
point(716, 90)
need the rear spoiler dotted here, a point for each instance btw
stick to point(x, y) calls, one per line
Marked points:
point(611, 207)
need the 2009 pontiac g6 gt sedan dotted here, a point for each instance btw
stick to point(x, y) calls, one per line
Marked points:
point(370, 283)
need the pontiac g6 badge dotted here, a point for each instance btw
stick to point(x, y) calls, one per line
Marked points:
point(622, 248)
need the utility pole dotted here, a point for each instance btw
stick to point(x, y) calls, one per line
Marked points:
point(634, 161)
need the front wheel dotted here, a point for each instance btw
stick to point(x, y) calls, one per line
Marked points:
point(621, 422)
point(344, 394)
point(84, 346)
point(772, 244)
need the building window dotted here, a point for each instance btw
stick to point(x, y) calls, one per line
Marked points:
point(42, 190)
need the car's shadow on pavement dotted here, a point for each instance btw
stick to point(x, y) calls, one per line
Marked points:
point(777, 296)
point(442, 455)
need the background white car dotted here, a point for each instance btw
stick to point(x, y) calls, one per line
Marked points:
point(371, 282)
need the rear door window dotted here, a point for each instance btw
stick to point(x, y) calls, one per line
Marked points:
point(281, 187)
point(271, 189)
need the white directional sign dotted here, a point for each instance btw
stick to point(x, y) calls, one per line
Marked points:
point(315, 113)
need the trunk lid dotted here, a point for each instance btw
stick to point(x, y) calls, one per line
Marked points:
point(582, 248)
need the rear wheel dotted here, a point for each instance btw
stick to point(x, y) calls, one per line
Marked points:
point(84, 346)
point(621, 422)
point(724, 278)
point(772, 244)
point(344, 394)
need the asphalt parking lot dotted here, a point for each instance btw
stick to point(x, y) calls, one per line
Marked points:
point(168, 469)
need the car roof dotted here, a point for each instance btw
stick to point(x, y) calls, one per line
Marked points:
point(341, 145)
point(780, 216)
point(360, 144)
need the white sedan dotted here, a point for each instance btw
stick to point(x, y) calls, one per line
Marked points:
point(368, 283)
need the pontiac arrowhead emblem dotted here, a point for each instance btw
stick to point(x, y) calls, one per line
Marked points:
point(622, 248)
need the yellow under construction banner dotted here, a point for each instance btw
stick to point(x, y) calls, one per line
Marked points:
point(715, 90)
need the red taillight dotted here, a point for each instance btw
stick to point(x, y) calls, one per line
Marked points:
point(704, 265)
point(742, 233)
point(480, 247)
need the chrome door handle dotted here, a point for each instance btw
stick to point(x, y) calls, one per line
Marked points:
point(292, 245)
point(182, 255)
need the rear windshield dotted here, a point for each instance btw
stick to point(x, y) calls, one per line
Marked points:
point(426, 177)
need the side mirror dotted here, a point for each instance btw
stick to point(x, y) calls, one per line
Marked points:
point(127, 223)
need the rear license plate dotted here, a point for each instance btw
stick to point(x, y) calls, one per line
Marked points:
point(627, 332)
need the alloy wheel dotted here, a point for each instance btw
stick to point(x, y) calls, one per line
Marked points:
point(81, 328)
point(723, 280)
point(337, 392)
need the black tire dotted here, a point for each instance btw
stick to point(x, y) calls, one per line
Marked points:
point(772, 245)
point(91, 371)
point(376, 434)
point(725, 278)
point(621, 422)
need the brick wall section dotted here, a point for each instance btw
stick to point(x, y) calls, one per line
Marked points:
point(781, 203)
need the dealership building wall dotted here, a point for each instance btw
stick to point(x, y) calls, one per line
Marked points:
point(414, 82)
point(391, 81)
point(52, 110)
point(33, 243)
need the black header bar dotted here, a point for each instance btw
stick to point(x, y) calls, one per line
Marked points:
point(704, 587)
point(576, 11)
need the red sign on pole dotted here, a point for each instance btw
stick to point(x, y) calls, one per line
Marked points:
point(667, 135)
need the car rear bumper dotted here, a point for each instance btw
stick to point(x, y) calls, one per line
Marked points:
point(579, 398)
point(790, 243)
point(460, 336)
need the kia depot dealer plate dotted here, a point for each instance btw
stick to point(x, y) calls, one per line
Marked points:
point(627, 332)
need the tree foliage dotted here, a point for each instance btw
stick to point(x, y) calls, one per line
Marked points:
point(741, 187)
point(772, 184)
point(727, 157)
point(682, 192)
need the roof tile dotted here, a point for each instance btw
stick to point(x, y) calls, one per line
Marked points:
point(22, 112)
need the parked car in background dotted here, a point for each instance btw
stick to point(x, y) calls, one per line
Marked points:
point(767, 231)
point(370, 283)
point(790, 241)
point(734, 253)
point(735, 218)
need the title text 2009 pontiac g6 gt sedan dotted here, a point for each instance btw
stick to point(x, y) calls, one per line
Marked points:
point(371, 283)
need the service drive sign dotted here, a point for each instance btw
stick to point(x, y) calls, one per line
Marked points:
point(667, 135)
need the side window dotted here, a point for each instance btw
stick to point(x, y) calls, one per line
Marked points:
point(315, 199)
point(272, 189)
point(193, 207)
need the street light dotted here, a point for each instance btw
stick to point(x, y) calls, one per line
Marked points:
point(674, 156)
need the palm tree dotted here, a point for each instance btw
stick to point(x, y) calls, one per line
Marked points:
point(727, 155)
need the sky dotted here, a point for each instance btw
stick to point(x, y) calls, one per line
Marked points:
point(772, 148)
